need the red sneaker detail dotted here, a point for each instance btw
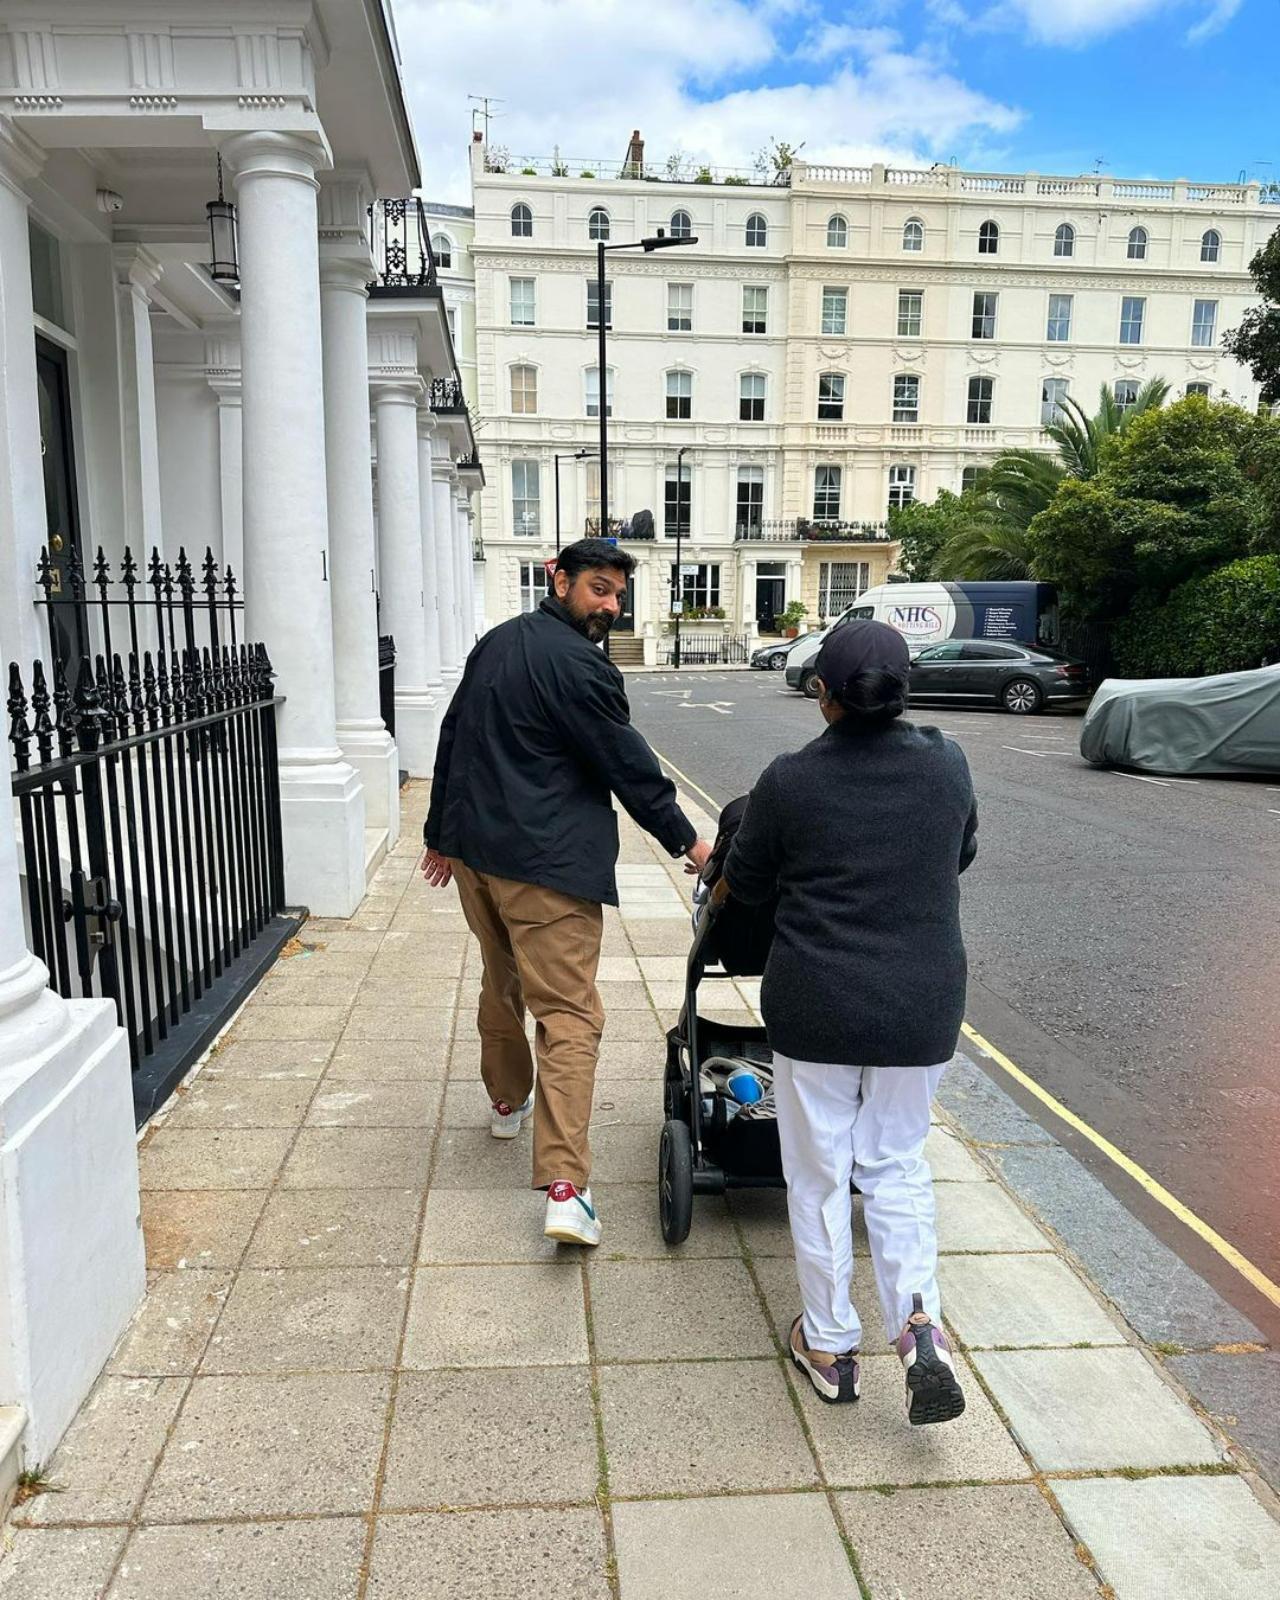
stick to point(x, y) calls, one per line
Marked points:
point(502, 1108)
point(562, 1190)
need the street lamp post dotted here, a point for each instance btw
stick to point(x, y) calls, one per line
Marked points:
point(678, 585)
point(660, 241)
point(566, 455)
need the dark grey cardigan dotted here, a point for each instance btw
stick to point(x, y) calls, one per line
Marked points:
point(864, 835)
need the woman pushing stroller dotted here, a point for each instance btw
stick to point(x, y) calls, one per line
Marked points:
point(862, 835)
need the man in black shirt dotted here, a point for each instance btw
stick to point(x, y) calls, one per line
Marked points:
point(537, 740)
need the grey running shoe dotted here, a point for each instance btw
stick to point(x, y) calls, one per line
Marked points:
point(933, 1390)
point(836, 1379)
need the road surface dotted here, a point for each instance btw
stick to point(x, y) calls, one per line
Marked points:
point(1123, 937)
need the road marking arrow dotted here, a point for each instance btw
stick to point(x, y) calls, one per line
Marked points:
point(722, 706)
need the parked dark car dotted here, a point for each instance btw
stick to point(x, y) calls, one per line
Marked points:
point(1021, 678)
point(772, 657)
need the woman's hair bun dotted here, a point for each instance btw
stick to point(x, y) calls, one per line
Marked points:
point(875, 694)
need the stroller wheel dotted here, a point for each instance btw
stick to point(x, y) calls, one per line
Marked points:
point(675, 1181)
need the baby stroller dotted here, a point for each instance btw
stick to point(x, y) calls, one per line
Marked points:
point(721, 1130)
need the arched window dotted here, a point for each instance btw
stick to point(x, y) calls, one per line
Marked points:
point(988, 239)
point(757, 231)
point(442, 249)
point(681, 225)
point(751, 393)
point(1064, 240)
point(913, 234)
point(837, 233)
point(831, 397)
point(1211, 245)
point(679, 396)
point(598, 223)
point(521, 222)
point(1137, 244)
point(524, 390)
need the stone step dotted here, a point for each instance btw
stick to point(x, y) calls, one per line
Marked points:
point(13, 1424)
point(375, 851)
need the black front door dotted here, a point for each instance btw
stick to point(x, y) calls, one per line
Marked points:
point(63, 524)
point(771, 602)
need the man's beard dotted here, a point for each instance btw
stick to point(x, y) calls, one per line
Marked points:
point(597, 625)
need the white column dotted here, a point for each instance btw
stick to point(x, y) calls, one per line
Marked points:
point(430, 558)
point(22, 512)
point(137, 272)
point(465, 608)
point(362, 735)
point(222, 373)
point(72, 1270)
point(400, 547)
point(442, 474)
point(286, 526)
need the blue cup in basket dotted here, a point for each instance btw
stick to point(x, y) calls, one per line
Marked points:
point(744, 1086)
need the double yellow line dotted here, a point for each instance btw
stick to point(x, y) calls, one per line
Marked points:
point(1252, 1274)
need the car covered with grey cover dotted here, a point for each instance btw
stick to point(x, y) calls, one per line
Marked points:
point(1225, 724)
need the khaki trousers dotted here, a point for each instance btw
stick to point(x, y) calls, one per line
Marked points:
point(541, 949)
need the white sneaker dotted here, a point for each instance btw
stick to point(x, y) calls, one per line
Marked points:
point(571, 1217)
point(506, 1124)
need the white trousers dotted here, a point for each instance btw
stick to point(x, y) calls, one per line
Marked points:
point(869, 1124)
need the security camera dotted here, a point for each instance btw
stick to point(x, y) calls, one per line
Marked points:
point(109, 200)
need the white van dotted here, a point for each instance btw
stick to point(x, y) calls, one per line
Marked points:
point(927, 613)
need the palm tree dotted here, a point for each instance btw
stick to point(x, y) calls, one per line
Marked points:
point(1020, 483)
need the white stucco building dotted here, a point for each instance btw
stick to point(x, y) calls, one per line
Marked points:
point(831, 347)
point(287, 399)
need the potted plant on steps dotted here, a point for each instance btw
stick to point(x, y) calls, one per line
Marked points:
point(792, 617)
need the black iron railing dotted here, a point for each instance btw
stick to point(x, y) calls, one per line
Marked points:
point(446, 395)
point(401, 245)
point(633, 529)
point(708, 650)
point(149, 811)
point(387, 681)
point(782, 530)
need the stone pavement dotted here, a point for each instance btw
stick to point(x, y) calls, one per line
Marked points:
point(362, 1372)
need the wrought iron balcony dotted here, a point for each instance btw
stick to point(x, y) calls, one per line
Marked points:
point(446, 395)
point(791, 529)
point(626, 528)
point(401, 245)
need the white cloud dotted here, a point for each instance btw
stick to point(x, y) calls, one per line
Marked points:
point(1078, 22)
point(581, 74)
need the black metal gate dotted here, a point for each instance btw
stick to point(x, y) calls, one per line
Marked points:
point(149, 809)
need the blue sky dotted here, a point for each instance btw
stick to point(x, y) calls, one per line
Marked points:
point(1169, 88)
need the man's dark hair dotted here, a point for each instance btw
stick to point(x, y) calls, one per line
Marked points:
point(872, 697)
point(586, 554)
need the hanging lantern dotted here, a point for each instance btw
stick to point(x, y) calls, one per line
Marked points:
point(224, 264)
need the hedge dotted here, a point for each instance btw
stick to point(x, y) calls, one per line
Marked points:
point(1225, 622)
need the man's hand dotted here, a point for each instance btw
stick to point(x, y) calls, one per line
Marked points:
point(436, 869)
point(697, 856)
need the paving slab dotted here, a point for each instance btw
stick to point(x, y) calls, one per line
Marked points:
point(657, 936)
point(496, 1317)
point(280, 1023)
point(358, 1158)
point(470, 1158)
point(1092, 1409)
point(212, 1158)
point(637, 1027)
point(753, 1547)
point(492, 1437)
point(172, 1326)
point(106, 1456)
point(370, 1024)
point(59, 1563)
point(390, 1061)
point(999, 1540)
point(629, 1212)
point(626, 1152)
point(336, 1228)
point(489, 1225)
point(1239, 1392)
point(310, 1319)
point(411, 1104)
point(272, 1446)
point(981, 1216)
point(262, 1059)
point(689, 1427)
point(234, 1100)
point(1205, 1538)
point(872, 1443)
point(311, 1560)
point(1158, 1293)
point(622, 996)
point(672, 1310)
point(490, 1555)
point(1021, 1300)
point(949, 1161)
point(198, 1227)
point(287, 986)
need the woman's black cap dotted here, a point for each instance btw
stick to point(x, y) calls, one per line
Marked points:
point(861, 645)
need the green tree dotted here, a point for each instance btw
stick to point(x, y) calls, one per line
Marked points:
point(1256, 342)
point(995, 548)
point(1225, 622)
point(924, 527)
